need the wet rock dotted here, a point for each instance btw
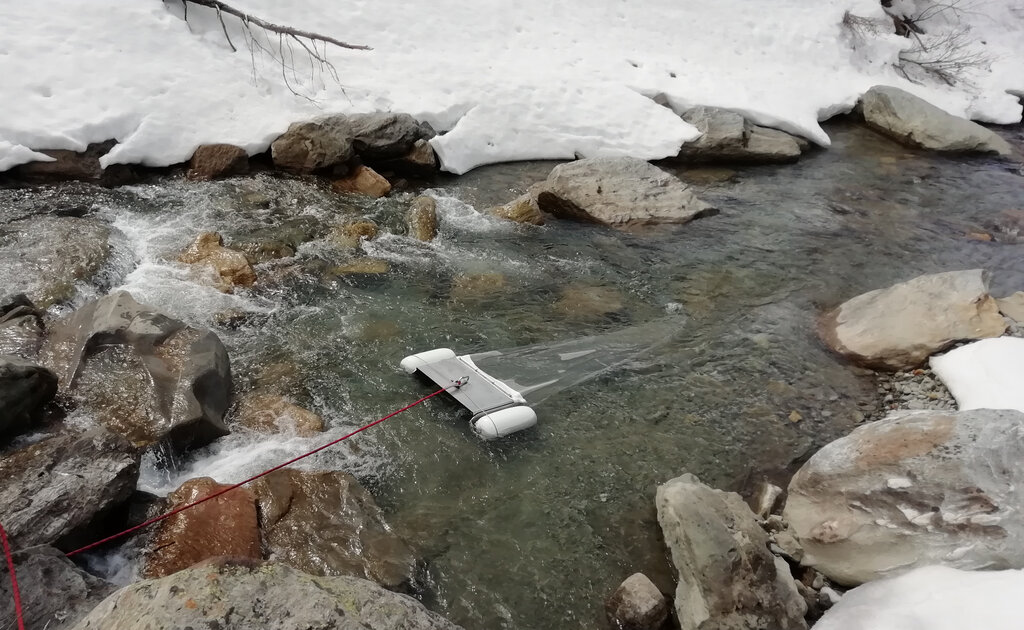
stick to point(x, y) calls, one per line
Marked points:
point(363, 180)
point(522, 209)
point(144, 375)
point(54, 489)
point(225, 526)
point(915, 122)
point(708, 176)
point(228, 596)
point(478, 286)
point(384, 135)
point(55, 594)
point(1013, 306)
point(618, 191)
point(900, 327)
point(422, 218)
point(362, 266)
point(911, 490)
point(766, 498)
point(211, 161)
point(24, 389)
point(727, 576)
point(312, 146)
point(278, 241)
point(327, 524)
point(379, 330)
point(589, 302)
point(420, 162)
point(637, 605)
point(270, 413)
point(1009, 226)
point(44, 256)
point(351, 234)
point(231, 265)
point(21, 327)
point(84, 165)
point(729, 137)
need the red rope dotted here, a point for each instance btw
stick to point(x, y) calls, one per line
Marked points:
point(14, 580)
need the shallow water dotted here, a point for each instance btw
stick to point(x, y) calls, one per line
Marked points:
point(535, 531)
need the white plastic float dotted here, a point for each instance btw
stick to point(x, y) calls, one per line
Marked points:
point(498, 409)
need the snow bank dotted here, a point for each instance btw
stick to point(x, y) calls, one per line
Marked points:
point(936, 598)
point(509, 80)
point(986, 374)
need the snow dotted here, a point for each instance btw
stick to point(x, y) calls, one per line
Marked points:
point(986, 374)
point(507, 80)
point(935, 598)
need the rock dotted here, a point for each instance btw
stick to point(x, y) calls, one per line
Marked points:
point(385, 135)
point(478, 286)
point(729, 137)
point(44, 256)
point(637, 605)
point(420, 162)
point(24, 389)
point(914, 489)
point(327, 524)
point(917, 123)
point(222, 596)
point(618, 191)
point(363, 180)
point(211, 161)
point(422, 218)
point(55, 594)
point(900, 327)
point(522, 209)
point(589, 302)
point(269, 413)
point(312, 146)
point(789, 546)
point(225, 526)
point(142, 374)
point(351, 234)
point(231, 265)
point(1013, 306)
point(83, 165)
point(55, 489)
point(1009, 226)
point(727, 576)
point(765, 499)
point(362, 266)
point(21, 327)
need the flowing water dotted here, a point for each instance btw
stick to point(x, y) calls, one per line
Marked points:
point(536, 530)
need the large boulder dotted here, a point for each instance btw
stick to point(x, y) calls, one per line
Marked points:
point(327, 524)
point(914, 489)
point(900, 327)
point(55, 594)
point(917, 123)
point(729, 137)
point(220, 596)
point(311, 146)
point(54, 490)
point(385, 135)
point(230, 266)
point(211, 161)
point(727, 576)
point(44, 256)
point(618, 191)
point(142, 374)
point(24, 389)
point(225, 526)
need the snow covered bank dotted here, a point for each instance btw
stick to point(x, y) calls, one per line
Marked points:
point(985, 374)
point(510, 81)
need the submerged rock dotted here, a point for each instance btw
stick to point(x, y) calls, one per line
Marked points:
point(363, 180)
point(24, 389)
point(903, 325)
point(231, 266)
point(327, 524)
point(422, 218)
point(637, 605)
point(55, 594)
point(54, 489)
point(917, 123)
point(21, 327)
point(273, 596)
point(727, 576)
point(351, 234)
point(270, 413)
point(362, 266)
point(588, 303)
point(729, 137)
point(914, 489)
point(211, 161)
point(618, 191)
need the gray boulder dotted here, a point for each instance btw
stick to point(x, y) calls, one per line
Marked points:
point(729, 137)
point(141, 373)
point(637, 605)
point(620, 192)
point(24, 389)
point(270, 596)
point(55, 594)
point(311, 146)
point(54, 489)
point(900, 327)
point(727, 577)
point(917, 123)
point(384, 135)
point(914, 489)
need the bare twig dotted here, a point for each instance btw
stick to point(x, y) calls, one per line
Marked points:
point(274, 28)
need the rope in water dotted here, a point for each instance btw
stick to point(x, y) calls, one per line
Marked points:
point(178, 510)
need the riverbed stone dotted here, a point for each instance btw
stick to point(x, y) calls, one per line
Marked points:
point(25, 388)
point(901, 326)
point(55, 594)
point(54, 489)
point(144, 375)
point(325, 523)
point(225, 526)
point(914, 489)
point(522, 209)
point(422, 218)
point(729, 137)
point(314, 145)
point(271, 413)
point(363, 180)
point(915, 122)
point(589, 303)
point(637, 605)
point(223, 595)
point(619, 192)
point(383, 135)
point(211, 161)
point(232, 267)
point(727, 576)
